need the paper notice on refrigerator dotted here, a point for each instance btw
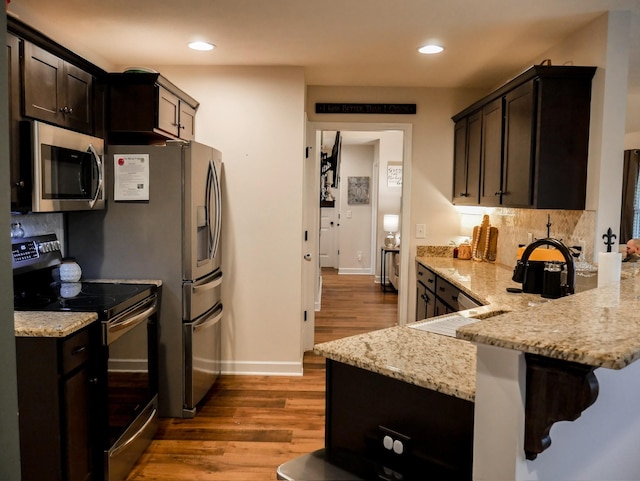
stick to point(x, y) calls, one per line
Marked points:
point(131, 177)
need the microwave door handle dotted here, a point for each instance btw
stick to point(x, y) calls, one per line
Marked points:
point(98, 162)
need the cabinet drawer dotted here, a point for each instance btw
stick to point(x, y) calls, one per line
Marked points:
point(448, 293)
point(75, 351)
point(427, 277)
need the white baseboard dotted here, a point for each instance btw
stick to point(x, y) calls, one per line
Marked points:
point(357, 271)
point(128, 365)
point(262, 368)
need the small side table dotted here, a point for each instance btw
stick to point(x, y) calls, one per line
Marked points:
point(384, 283)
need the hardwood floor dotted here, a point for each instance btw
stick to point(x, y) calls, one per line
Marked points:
point(248, 425)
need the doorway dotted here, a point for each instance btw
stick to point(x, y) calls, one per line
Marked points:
point(367, 135)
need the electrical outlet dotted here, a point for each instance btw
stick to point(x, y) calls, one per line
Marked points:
point(359, 256)
point(394, 441)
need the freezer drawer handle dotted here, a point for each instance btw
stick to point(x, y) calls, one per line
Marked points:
point(208, 323)
point(208, 286)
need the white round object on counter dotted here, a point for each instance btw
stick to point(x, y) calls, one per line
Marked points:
point(70, 270)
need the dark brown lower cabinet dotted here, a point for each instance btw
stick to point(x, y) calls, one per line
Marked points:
point(55, 407)
point(430, 433)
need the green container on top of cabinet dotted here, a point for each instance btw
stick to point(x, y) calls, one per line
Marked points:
point(526, 144)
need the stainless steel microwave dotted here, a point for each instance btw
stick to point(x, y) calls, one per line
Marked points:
point(67, 169)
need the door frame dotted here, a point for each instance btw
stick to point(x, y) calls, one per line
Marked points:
point(405, 257)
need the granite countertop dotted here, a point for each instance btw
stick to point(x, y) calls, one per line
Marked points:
point(61, 324)
point(600, 327)
point(50, 324)
point(594, 326)
point(441, 363)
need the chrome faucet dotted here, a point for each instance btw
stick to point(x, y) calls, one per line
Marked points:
point(521, 268)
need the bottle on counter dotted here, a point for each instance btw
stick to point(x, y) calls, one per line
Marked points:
point(455, 250)
point(16, 230)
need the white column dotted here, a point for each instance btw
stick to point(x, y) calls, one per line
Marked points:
point(498, 439)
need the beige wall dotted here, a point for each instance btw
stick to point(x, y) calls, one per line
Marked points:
point(427, 182)
point(254, 115)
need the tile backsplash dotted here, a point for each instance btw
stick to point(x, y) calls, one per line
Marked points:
point(38, 224)
point(572, 227)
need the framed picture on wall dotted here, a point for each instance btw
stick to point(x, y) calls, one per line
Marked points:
point(394, 174)
point(357, 190)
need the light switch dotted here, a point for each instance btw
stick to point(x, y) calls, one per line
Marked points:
point(420, 231)
point(348, 214)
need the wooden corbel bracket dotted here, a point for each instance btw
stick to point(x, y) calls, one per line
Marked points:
point(556, 391)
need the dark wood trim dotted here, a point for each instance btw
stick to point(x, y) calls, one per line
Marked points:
point(556, 391)
point(32, 35)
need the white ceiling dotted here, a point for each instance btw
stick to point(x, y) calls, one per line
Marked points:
point(338, 42)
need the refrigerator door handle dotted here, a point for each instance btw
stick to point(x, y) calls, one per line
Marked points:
point(205, 323)
point(213, 202)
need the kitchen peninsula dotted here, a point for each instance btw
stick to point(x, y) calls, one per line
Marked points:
point(596, 329)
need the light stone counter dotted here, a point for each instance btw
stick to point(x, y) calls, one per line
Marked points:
point(600, 327)
point(592, 327)
point(444, 364)
point(50, 324)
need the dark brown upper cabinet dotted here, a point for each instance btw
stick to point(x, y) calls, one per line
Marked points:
point(466, 159)
point(534, 141)
point(146, 107)
point(57, 91)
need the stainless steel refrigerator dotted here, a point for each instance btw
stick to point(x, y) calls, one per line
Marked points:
point(169, 230)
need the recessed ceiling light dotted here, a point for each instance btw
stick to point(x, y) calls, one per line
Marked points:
point(201, 46)
point(430, 49)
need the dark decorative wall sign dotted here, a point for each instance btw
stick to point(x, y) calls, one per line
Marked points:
point(389, 109)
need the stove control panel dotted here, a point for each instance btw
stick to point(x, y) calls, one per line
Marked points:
point(32, 253)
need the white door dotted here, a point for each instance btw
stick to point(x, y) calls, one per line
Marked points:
point(329, 222)
point(310, 263)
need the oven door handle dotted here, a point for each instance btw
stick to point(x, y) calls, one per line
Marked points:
point(98, 162)
point(130, 322)
point(135, 436)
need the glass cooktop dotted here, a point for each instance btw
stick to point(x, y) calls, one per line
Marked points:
point(105, 298)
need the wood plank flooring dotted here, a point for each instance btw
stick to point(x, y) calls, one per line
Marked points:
point(248, 425)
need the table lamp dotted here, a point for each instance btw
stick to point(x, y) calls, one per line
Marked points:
point(390, 225)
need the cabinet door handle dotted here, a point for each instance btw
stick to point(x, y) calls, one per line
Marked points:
point(20, 183)
point(77, 350)
point(498, 193)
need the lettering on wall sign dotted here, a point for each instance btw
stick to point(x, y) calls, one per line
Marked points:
point(390, 109)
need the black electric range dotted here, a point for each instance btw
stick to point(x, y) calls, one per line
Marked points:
point(35, 260)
